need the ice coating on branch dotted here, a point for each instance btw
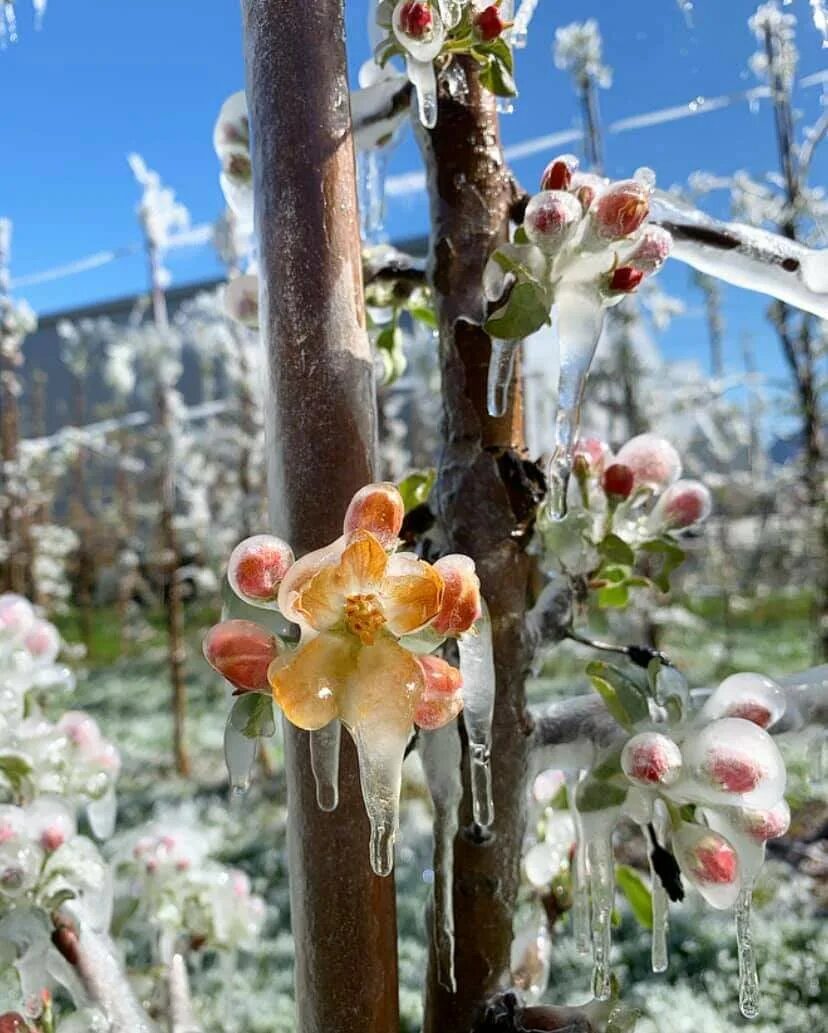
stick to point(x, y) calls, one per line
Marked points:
point(746, 256)
point(324, 755)
point(441, 754)
point(753, 697)
point(478, 671)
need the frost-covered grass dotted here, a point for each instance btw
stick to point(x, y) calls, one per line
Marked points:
point(129, 698)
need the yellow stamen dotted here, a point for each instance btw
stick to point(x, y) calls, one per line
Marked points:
point(364, 617)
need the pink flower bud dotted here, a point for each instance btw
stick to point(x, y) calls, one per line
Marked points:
point(416, 19)
point(734, 771)
point(13, 1022)
point(594, 453)
point(52, 837)
point(651, 759)
point(733, 761)
point(16, 614)
point(461, 605)
point(625, 279)
point(558, 173)
point(621, 209)
point(652, 250)
point(749, 696)
point(43, 641)
point(654, 462)
point(618, 481)
point(715, 861)
point(488, 23)
point(550, 219)
point(764, 825)
point(709, 862)
point(378, 508)
point(81, 730)
point(683, 504)
point(440, 701)
point(751, 710)
point(241, 652)
point(586, 186)
point(257, 567)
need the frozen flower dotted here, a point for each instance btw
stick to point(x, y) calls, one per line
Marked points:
point(550, 219)
point(241, 652)
point(752, 697)
point(709, 862)
point(651, 759)
point(620, 210)
point(558, 173)
point(618, 481)
point(654, 462)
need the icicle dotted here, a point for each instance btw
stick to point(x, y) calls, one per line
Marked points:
point(39, 12)
point(601, 886)
point(745, 256)
point(381, 752)
point(748, 978)
point(531, 958)
point(520, 29)
point(421, 74)
point(442, 756)
point(501, 369)
point(324, 756)
point(661, 904)
point(477, 668)
point(102, 814)
point(820, 16)
point(239, 755)
point(580, 320)
point(8, 23)
point(373, 165)
point(686, 8)
point(580, 886)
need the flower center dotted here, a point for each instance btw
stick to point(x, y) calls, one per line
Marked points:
point(364, 617)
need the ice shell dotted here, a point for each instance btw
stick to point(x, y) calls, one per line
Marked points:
point(231, 133)
point(241, 300)
point(49, 822)
point(16, 617)
point(43, 642)
point(752, 697)
point(550, 220)
point(378, 508)
point(710, 863)
point(531, 958)
point(735, 761)
point(257, 567)
point(496, 279)
point(651, 759)
point(20, 864)
point(429, 45)
point(654, 461)
point(761, 826)
point(241, 652)
point(682, 505)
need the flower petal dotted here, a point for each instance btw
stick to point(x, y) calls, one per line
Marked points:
point(363, 563)
point(310, 684)
point(383, 687)
point(300, 574)
point(412, 593)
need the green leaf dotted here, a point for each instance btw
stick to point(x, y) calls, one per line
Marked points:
point(616, 550)
point(598, 796)
point(520, 236)
point(423, 314)
point(416, 487)
point(616, 596)
point(624, 699)
point(252, 715)
point(637, 893)
point(526, 310)
point(502, 52)
point(390, 338)
point(15, 767)
point(497, 78)
point(671, 555)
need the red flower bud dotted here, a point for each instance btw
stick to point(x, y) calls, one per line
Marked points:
point(683, 504)
point(550, 217)
point(558, 174)
point(416, 19)
point(241, 652)
point(651, 759)
point(461, 605)
point(489, 26)
point(764, 825)
point(652, 250)
point(378, 508)
point(621, 209)
point(734, 772)
point(751, 710)
point(625, 279)
point(440, 701)
point(618, 481)
point(13, 1022)
point(257, 567)
point(715, 861)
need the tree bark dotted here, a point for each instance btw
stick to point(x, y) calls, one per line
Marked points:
point(485, 496)
point(321, 447)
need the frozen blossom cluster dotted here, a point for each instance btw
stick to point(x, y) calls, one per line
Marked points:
point(625, 516)
point(346, 636)
point(49, 772)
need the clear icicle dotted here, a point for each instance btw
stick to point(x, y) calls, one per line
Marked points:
point(580, 320)
point(324, 757)
point(8, 23)
point(477, 668)
point(661, 903)
point(602, 886)
point(580, 886)
point(501, 369)
point(748, 977)
point(373, 165)
point(102, 814)
point(381, 752)
point(442, 756)
point(520, 29)
point(424, 80)
point(239, 755)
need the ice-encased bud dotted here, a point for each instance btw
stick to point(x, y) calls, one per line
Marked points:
point(257, 567)
point(750, 696)
point(461, 603)
point(709, 862)
point(232, 129)
point(618, 481)
point(652, 250)
point(654, 462)
point(43, 642)
point(590, 455)
point(81, 730)
point(418, 27)
point(241, 300)
point(441, 699)
point(20, 864)
point(16, 617)
point(682, 505)
point(13, 1022)
point(761, 826)
point(241, 652)
point(488, 24)
point(378, 508)
point(734, 761)
point(621, 209)
point(49, 822)
point(624, 279)
point(586, 186)
point(558, 173)
point(550, 219)
point(651, 759)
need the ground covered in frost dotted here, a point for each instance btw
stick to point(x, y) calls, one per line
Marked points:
point(128, 696)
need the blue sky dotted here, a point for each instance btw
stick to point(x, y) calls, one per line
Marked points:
point(103, 79)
